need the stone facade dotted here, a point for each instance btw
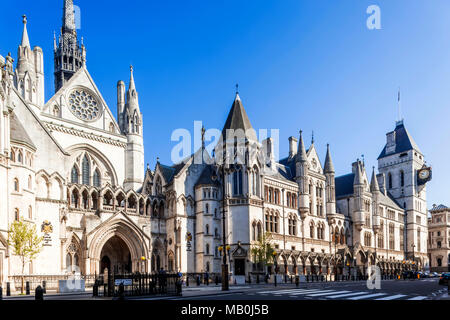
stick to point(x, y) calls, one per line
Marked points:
point(69, 167)
point(439, 239)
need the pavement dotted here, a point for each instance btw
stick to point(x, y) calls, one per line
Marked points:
point(415, 290)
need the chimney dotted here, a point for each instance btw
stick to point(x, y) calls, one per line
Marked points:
point(292, 146)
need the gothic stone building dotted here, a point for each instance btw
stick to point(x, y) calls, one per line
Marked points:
point(75, 171)
point(439, 238)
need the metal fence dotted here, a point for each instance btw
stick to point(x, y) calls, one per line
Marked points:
point(137, 284)
point(51, 282)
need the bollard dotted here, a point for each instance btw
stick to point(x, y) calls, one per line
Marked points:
point(297, 281)
point(257, 278)
point(39, 294)
point(217, 280)
point(1, 293)
point(8, 289)
point(291, 279)
point(179, 288)
point(44, 286)
point(249, 279)
point(187, 281)
point(448, 287)
point(27, 288)
point(198, 280)
point(275, 282)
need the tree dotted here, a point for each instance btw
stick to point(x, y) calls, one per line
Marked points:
point(263, 250)
point(26, 244)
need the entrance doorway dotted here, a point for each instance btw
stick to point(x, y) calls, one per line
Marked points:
point(116, 256)
point(239, 267)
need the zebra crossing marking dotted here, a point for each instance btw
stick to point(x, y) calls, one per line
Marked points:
point(418, 298)
point(392, 297)
point(367, 296)
point(326, 293)
point(346, 295)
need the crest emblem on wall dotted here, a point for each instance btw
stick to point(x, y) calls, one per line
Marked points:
point(188, 240)
point(47, 227)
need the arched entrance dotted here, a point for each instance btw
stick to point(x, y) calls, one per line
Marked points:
point(116, 256)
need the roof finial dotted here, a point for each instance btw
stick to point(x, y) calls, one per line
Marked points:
point(237, 88)
point(203, 137)
point(157, 159)
point(148, 166)
point(24, 19)
point(25, 40)
point(312, 137)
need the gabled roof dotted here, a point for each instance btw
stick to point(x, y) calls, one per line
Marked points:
point(403, 141)
point(18, 133)
point(238, 119)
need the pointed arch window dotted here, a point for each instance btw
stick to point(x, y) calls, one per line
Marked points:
point(85, 170)
point(97, 182)
point(390, 180)
point(402, 178)
point(20, 157)
point(237, 182)
point(74, 175)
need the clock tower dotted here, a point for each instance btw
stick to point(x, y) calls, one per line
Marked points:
point(406, 174)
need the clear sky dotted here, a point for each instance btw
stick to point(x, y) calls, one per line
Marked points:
point(300, 64)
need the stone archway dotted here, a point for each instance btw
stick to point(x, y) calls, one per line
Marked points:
point(122, 243)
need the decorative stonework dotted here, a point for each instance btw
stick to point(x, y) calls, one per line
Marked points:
point(83, 105)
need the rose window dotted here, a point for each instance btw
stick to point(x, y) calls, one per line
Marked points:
point(83, 105)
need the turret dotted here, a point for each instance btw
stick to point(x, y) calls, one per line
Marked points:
point(375, 189)
point(358, 190)
point(133, 129)
point(120, 104)
point(301, 170)
point(330, 185)
point(69, 55)
point(29, 74)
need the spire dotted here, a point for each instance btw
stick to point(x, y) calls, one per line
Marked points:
point(374, 182)
point(358, 174)
point(329, 167)
point(301, 153)
point(132, 85)
point(238, 119)
point(25, 40)
point(68, 17)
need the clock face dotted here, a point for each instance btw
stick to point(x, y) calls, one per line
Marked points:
point(424, 174)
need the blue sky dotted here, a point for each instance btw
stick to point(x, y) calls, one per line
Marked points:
point(300, 64)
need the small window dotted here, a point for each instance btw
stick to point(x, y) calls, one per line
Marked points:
point(30, 212)
point(20, 157)
point(16, 185)
point(16, 214)
point(30, 183)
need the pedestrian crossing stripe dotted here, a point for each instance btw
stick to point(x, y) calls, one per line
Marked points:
point(340, 294)
point(326, 294)
point(367, 296)
point(346, 295)
point(392, 297)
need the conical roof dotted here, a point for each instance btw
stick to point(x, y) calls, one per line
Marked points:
point(301, 153)
point(374, 182)
point(238, 119)
point(329, 167)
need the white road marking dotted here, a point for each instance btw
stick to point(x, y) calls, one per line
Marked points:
point(367, 296)
point(326, 293)
point(346, 295)
point(418, 298)
point(392, 297)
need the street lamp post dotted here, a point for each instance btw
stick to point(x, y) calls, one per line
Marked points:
point(413, 246)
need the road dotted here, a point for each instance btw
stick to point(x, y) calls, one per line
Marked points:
point(425, 289)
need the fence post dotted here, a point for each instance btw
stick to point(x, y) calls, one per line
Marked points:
point(27, 288)
point(8, 289)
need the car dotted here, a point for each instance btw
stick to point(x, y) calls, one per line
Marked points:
point(434, 275)
point(443, 279)
point(426, 274)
